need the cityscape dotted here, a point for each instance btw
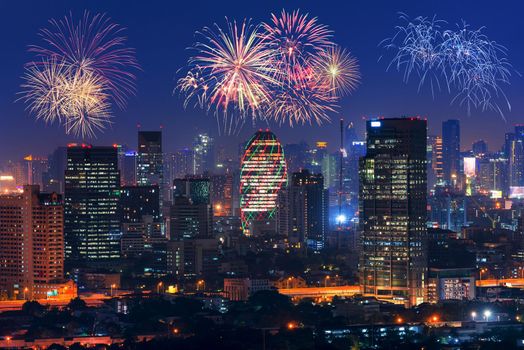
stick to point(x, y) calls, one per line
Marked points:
point(279, 210)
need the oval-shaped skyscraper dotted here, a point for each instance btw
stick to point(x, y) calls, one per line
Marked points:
point(262, 175)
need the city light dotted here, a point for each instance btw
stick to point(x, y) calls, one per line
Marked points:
point(341, 219)
point(487, 315)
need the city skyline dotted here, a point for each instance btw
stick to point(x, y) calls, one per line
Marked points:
point(172, 31)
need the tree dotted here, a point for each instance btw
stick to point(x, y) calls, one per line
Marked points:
point(33, 308)
point(77, 304)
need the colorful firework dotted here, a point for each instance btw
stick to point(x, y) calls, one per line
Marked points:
point(287, 70)
point(93, 43)
point(472, 67)
point(296, 38)
point(337, 71)
point(231, 71)
point(77, 99)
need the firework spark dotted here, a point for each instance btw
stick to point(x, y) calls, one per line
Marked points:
point(296, 38)
point(472, 67)
point(418, 49)
point(80, 71)
point(93, 43)
point(337, 70)
point(287, 70)
point(75, 98)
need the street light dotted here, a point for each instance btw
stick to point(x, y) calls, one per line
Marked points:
point(325, 280)
point(25, 292)
point(482, 271)
point(473, 315)
point(112, 286)
point(158, 287)
point(487, 314)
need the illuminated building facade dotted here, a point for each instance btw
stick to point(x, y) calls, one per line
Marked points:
point(191, 213)
point(308, 209)
point(263, 172)
point(393, 251)
point(451, 150)
point(31, 243)
point(150, 162)
point(203, 154)
point(92, 194)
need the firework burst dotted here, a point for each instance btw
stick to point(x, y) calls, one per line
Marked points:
point(296, 38)
point(287, 70)
point(337, 71)
point(231, 71)
point(77, 99)
point(80, 71)
point(472, 67)
point(92, 43)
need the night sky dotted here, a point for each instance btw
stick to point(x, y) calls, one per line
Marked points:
point(160, 31)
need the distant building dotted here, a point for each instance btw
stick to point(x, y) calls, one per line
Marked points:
point(56, 167)
point(448, 209)
point(451, 284)
point(393, 246)
point(308, 209)
point(150, 161)
point(92, 194)
point(191, 213)
point(451, 150)
point(262, 176)
point(137, 201)
point(203, 154)
point(240, 289)
point(32, 245)
point(193, 257)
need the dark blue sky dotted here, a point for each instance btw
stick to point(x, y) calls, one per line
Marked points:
point(161, 30)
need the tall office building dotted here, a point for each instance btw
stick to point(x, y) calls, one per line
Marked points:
point(182, 162)
point(150, 161)
point(149, 158)
point(479, 148)
point(307, 209)
point(191, 213)
point(222, 194)
point(54, 177)
point(92, 193)
point(139, 201)
point(355, 149)
point(31, 244)
point(435, 171)
point(203, 154)
point(451, 150)
point(263, 172)
point(393, 247)
point(127, 166)
point(514, 149)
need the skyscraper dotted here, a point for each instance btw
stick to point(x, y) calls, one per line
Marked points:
point(150, 161)
point(514, 148)
point(393, 258)
point(308, 209)
point(31, 243)
point(203, 154)
point(263, 172)
point(191, 213)
point(451, 150)
point(138, 201)
point(92, 193)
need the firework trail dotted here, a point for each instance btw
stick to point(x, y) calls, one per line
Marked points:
point(93, 43)
point(337, 71)
point(418, 50)
point(82, 69)
point(77, 99)
point(295, 38)
point(472, 67)
point(478, 68)
point(231, 72)
point(287, 70)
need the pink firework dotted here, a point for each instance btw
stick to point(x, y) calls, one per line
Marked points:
point(296, 38)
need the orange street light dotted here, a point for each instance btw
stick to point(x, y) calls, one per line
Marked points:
point(399, 320)
point(158, 287)
point(291, 325)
